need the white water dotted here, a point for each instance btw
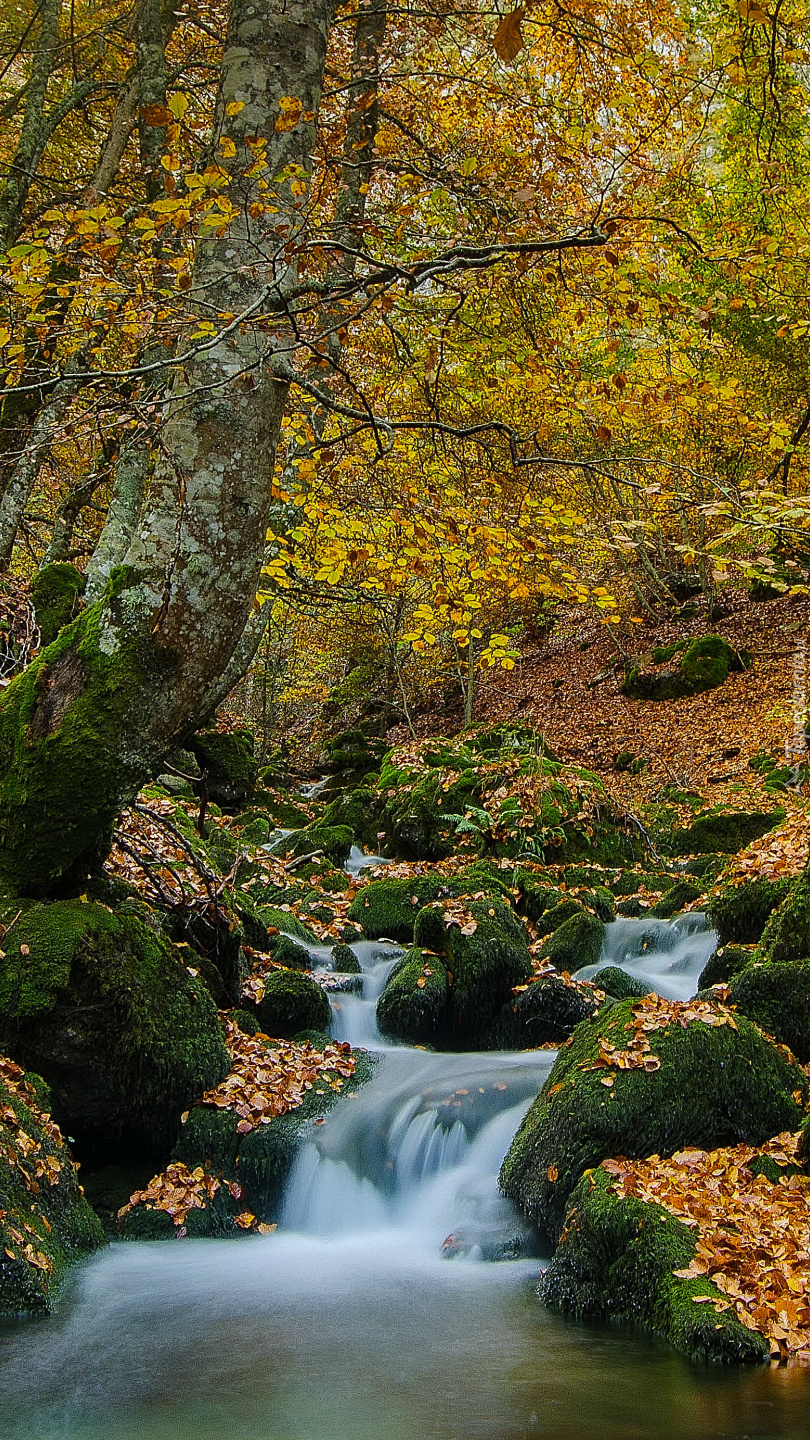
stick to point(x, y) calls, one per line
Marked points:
point(667, 954)
point(358, 860)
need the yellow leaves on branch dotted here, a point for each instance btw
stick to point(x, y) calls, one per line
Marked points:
point(754, 1236)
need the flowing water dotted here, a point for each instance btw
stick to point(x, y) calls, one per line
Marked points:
point(395, 1301)
point(667, 954)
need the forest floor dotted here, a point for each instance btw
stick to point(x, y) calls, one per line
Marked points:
point(702, 744)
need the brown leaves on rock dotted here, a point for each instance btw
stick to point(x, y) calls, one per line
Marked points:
point(17, 1148)
point(268, 1079)
point(177, 1190)
point(649, 1014)
point(782, 852)
point(753, 1237)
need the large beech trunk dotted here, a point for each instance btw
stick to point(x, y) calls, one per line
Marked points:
point(83, 727)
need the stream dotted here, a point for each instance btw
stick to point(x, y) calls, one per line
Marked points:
point(396, 1299)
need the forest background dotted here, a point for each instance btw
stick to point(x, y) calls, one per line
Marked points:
point(520, 295)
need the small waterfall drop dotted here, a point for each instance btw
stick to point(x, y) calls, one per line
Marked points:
point(668, 955)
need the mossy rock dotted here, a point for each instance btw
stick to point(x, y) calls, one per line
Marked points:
point(284, 922)
point(536, 897)
point(740, 912)
point(577, 942)
point(618, 984)
point(292, 1002)
point(703, 664)
point(630, 908)
point(387, 909)
point(485, 966)
point(215, 943)
point(556, 915)
point(45, 1220)
point(545, 1013)
point(776, 996)
point(786, 935)
point(413, 1004)
point(228, 762)
point(722, 834)
point(252, 829)
point(715, 1086)
point(616, 1261)
point(681, 894)
point(334, 840)
point(107, 1011)
point(344, 960)
point(727, 960)
point(56, 593)
point(258, 1163)
point(354, 810)
point(289, 953)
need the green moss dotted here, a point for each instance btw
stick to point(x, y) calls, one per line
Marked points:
point(616, 1261)
point(722, 834)
point(704, 664)
point(576, 943)
point(66, 769)
point(334, 840)
point(288, 952)
point(285, 922)
point(726, 961)
point(354, 810)
point(252, 829)
point(618, 984)
point(740, 912)
point(56, 592)
point(43, 1208)
point(292, 1002)
point(413, 1004)
point(345, 961)
point(536, 897)
point(565, 909)
point(388, 908)
point(715, 1086)
point(546, 1013)
point(228, 762)
point(106, 1010)
point(786, 936)
point(777, 997)
point(681, 894)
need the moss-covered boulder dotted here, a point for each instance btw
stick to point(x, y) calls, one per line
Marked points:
point(56, 594)
point(713, 1080)
point(535, 895)
point(618, 984)
point(726, 961)
point(616, 1261)
point(228, 763)
point(283, 922)
point(786, 936)
point(334, 841)
point(577, 942)
point(777, 997)
point(556, 915)
point(451, 986)
point(345, 961)
point(720, 832)
point(253, 1168)
point(677, 897)
point(290, 954)
point(107, 1011)
point(683, 668)
point(413, 1004)
point(387, 909)
point(292, 1002)
point(546, 1012)
point(45, 1220)
point(740, 913)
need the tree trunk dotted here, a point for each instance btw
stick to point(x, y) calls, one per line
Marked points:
point(85, 725)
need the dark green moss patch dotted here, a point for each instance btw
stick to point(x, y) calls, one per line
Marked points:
point(715, 1086)
point(740, 912)
point(576, 943)
point(56, 592)
point(107, 1011)
point(292, 1002)
point(616, 1260)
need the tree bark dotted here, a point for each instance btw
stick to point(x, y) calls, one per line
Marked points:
point(84, 726)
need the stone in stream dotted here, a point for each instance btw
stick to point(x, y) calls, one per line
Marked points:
point(740, 913)
point(450, 988)
point(698, 1084)
point(292, 1002)
point(777, 996)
